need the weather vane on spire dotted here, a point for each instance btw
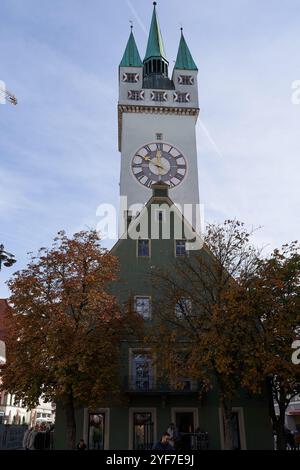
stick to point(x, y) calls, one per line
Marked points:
point(131, 24)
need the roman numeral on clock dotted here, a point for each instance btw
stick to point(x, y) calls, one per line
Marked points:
point(148, 183)
point(140, 175)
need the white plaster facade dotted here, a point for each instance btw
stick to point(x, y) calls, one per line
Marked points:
point(141, 120)
point(12, 412)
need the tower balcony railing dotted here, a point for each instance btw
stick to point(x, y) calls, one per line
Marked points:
point(150, 384)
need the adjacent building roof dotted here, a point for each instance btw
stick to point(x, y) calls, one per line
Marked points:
point(131, 57)
point(184, 59)
point(155, 47)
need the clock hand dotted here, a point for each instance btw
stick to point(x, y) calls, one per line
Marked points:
point(159, 165)
point(158, 157)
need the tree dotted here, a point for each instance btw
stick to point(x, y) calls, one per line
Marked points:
point(210, 333)
point(6, 258)
point(275, 297)
point(65, 327)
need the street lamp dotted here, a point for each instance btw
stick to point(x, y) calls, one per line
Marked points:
point(6, 258)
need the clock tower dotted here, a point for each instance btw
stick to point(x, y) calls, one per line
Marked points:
point(157, 121)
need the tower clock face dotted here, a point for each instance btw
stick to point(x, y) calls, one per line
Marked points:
point(157, 162)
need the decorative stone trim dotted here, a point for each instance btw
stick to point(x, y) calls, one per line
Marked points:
point(186, 80)
point(181, 97)
point(130, 77)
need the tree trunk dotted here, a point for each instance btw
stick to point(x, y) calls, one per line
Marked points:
point(227, 425)
point(277, 421)
point(280, 434)
point(70, 421)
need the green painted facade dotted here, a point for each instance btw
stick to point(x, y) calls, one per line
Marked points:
point(134, 280)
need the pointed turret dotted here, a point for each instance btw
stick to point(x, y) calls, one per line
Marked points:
point(155, 62)
point(184, 59)
point(155, 47)
point(131, 57)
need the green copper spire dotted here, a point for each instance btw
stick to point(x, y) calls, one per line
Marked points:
point(131, 57)
point(184, 59)
point(155, 47)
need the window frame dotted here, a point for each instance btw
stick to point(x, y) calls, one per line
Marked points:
point(186, 80)
point(175, 249)
point(130, 77)
point(149, 248)
point(150, 306)
point(181, 315)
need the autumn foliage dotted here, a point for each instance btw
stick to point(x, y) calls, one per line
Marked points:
point(64, 329)
point(235, 321)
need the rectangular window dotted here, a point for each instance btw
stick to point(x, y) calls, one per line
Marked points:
point(96, 431)
point(134, 95)
point(159, 96)
point(180, 249)
point(183, 97)
point(159, 136)
point(238, 427)
point(143, 248)
point(143, 437)
point(183, 308)
point(185, 80)
point(143, 307)
point(141, 367)
point(131, 77)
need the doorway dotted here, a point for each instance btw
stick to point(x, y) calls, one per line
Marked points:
point(96, 431)
point(184, 421)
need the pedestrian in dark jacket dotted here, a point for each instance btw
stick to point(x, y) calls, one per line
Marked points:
point(81, 445)
point(164, 444)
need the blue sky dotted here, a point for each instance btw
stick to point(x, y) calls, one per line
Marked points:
point(58, 148)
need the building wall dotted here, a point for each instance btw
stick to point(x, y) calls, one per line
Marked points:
point(134, 280)
point(140, 129)
point(258, 432)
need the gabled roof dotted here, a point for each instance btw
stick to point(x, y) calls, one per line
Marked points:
point(184, 59)
point(160, 196)
point(131, 57)
point(155, 47)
